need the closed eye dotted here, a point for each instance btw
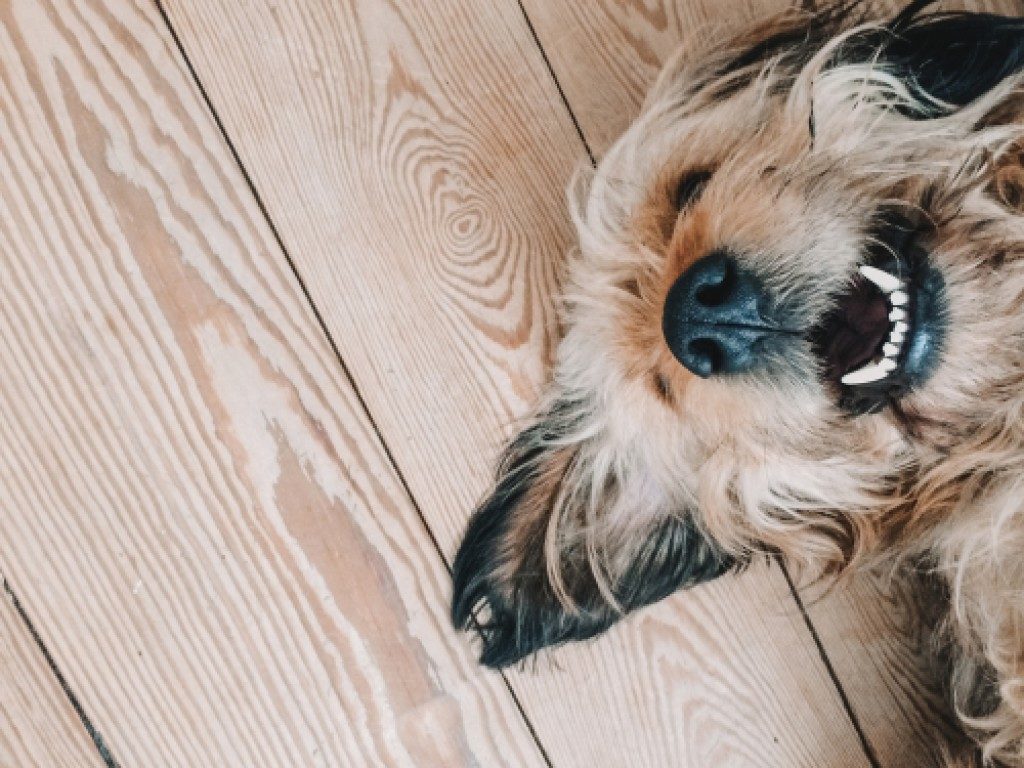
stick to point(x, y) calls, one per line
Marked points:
point(690, 187)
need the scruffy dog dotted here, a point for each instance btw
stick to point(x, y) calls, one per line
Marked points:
point(795, 326)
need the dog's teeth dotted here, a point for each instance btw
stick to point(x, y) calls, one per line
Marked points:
point(890, 350)
point(886, 283)
point(897, 314)
point(896, 337)
point(869, 373)
point(887, 364)
point(900, 327)
point(898, 298)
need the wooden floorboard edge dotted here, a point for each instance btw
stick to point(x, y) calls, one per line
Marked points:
point(258, 199)
point(97, 738)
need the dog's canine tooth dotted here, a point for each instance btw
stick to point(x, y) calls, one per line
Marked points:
point(897, 314)
point(890, 350)
point(898, 298)
point(886, 282)
point(870, 373)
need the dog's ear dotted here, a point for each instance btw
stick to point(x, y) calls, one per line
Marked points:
point(954, 59)
point(568, 542)
point(948, 58)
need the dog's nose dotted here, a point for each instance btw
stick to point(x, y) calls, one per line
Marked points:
point(718, 318)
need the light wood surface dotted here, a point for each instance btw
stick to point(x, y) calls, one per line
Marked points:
point(880, 650)
point(606, 53)
point(422, 158)
point(232, 542)
point(38, 726)
point(196, 510)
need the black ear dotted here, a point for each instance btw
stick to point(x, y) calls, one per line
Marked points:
point(952, 57)
point(537, 568)
point(948, 58)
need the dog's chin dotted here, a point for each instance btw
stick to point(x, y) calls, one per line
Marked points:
point(883, 336)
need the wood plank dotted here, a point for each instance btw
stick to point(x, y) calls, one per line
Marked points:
point(40, 728)
point(605, 55)
point(198, 514)
point(413, 159)
point(880, 650)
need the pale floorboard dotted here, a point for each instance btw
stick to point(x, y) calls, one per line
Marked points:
point(39, 728)
point(196, 511)
point(414, 161)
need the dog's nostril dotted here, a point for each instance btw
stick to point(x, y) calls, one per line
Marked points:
point(706, 357)
point(718, 289)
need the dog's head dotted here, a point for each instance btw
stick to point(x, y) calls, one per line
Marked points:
point(794, 318)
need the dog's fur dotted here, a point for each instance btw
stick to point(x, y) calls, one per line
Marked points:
point(800, 145)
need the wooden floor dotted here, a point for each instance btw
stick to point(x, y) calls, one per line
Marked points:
point(275, 282)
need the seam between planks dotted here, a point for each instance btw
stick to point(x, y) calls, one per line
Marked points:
point(558, 84)
point(869, 751)
point(97, 738)
point(346, 372)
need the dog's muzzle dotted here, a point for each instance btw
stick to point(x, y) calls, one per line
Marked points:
point(718, 319)
point(880, 340)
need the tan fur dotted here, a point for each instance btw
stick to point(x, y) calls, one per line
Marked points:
point(773, 465)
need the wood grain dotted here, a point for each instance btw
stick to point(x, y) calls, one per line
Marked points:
point(40, 728)
point(605, 54)
point(197, 512)
point(879, 647)
point(413, 158)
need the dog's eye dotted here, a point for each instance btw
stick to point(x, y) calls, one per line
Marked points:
point(690, 187)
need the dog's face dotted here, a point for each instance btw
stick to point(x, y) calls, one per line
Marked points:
point(795, 305)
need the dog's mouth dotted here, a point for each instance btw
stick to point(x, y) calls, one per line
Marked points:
point(882, 337)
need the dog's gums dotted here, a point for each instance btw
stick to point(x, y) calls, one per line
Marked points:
point(794, 325)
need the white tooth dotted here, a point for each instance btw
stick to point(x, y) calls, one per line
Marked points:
point(896, 337)
point(869, 373)
point(898, 298)
point(900, 327)
point(887, 364)
point(887, 283)
point(897, 314)
point(890, 350)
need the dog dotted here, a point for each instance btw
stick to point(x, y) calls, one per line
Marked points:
point(794, 327)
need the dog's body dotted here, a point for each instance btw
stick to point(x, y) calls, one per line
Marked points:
point(795, 326)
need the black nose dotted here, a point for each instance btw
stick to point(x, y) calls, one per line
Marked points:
point(718, 318)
